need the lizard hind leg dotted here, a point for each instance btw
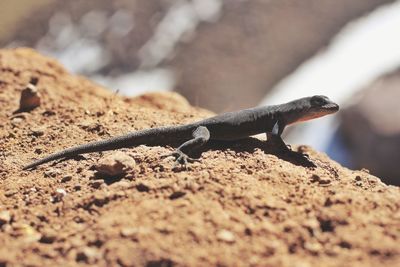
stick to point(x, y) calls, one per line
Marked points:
point(200, 137)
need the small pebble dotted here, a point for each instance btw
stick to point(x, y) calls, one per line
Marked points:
point(130, 232)
point(88, 254)
point(365, 170)
point(10, 192)
point(66, 178)
point(77, 187)
point(320, 180)
point(30, 97)
point(313, 247)
point(315, 178)
point(143, 187)
point(61, 192)
point(226, 236)
point(5, 217)
point(33, 190)
point(116, 164)
point(359, 184)
point(96, 183)
point(16, 121)
point(58, 195)
point(177, 194)
point(27, 232)
point(51, 172)
point(37, 131)
point(324, 181)
point(48, 236)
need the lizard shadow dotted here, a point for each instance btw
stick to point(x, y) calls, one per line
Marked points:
point(108, 179)
point(245, 145)
point(251, 144)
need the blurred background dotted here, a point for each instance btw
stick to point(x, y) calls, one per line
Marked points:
point(232, 54)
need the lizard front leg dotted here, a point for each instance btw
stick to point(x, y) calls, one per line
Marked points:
point(275, 137)
point(200, 137)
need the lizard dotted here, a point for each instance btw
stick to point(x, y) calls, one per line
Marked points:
point(229, 126)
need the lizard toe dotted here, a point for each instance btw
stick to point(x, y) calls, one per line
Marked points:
point(184, 159)
point(180, 158)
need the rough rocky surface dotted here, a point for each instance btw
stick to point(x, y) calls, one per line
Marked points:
point(241, 205)
point(371, 129)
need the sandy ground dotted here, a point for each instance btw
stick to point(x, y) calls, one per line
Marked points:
point(242, 205)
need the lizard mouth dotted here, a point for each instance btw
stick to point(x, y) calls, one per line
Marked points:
point(332, 107)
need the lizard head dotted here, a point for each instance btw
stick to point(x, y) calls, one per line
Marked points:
point(315, 107)
point(322, 104)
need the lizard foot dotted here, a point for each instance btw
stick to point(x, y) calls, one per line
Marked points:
point(180, 157)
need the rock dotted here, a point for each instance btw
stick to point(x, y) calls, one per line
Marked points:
point(66, 178)
point(27, 232)
point(226, 236)
point(130, 232)
point(5, 217)
point(177, 194)
point(314, 247)
point(58, 195)
point(116, 164)
point(10, 192)
point(144, 187)
point(17, 120)
point(48, 236)
point(134, 232)
point(92, 127)
point(96, 183)
point(38, 131)
point(320, 180)
point(30, 97)
point(51, 172)
point(88, 254)
point(77, 187)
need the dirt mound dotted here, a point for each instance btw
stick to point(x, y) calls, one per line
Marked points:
point(238, 206)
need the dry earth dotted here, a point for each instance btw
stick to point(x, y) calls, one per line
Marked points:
point(242, 205)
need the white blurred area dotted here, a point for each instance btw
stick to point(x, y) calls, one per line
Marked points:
point(360, 53)
point(81, 51)
point(178, 24)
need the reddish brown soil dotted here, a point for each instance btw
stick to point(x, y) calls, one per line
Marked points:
point(239, 206)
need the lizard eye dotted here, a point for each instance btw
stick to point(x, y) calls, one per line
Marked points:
point(317, 100)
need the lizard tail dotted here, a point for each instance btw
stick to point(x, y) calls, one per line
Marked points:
point(153, 136)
